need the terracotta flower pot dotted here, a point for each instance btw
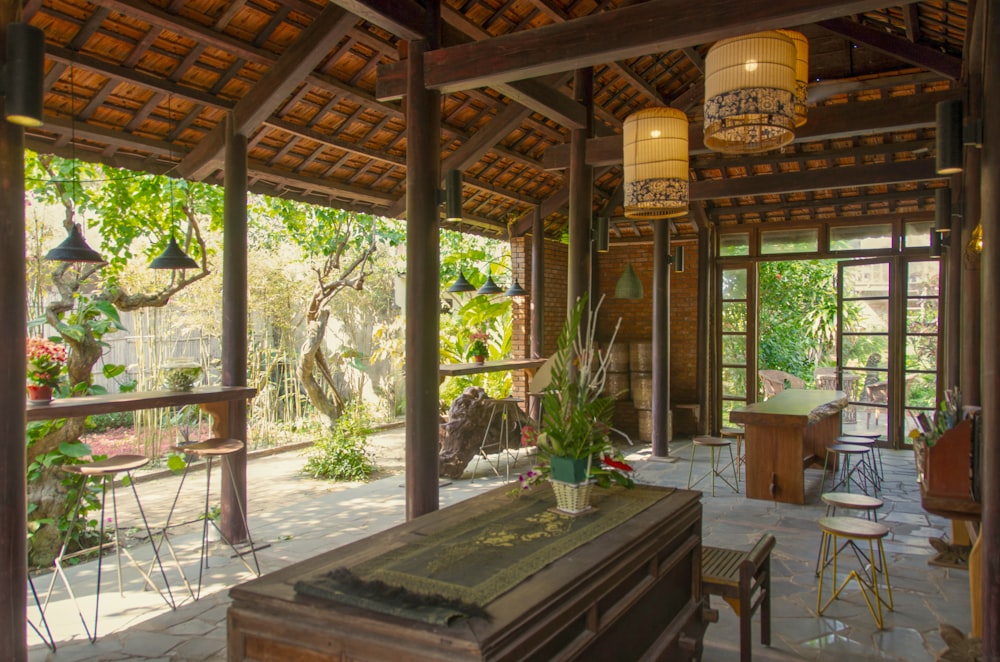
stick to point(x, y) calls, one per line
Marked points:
point(479, 359)
point(39, 395)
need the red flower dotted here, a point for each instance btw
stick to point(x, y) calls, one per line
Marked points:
point(615, 464)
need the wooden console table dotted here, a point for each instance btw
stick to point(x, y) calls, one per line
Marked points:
point(455, 369)
point(633, 592)
point(785, 434)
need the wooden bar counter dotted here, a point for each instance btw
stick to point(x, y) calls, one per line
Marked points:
point(630, 593)
point(785, 434)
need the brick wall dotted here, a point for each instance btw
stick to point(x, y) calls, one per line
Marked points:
point(636, 315)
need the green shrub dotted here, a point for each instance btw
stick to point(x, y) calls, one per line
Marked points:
point(344, 455)
point(116, 419)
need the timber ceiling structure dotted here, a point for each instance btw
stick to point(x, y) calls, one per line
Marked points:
point(316, 86)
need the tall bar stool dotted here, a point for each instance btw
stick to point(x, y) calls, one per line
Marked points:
point(502, 409)
point(713, 444)
point(209, 450)
point(876, 449)
point(849, 464)
point(871, 463)
point(739, 435)
point(868, 505)
point(855, 529)
point(107, 469)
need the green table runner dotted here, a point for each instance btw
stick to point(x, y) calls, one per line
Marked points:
point(459, 570)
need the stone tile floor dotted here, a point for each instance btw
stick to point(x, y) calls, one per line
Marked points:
point(298, 517)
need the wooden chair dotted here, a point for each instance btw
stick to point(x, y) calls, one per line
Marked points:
point(743, 579)
point(774, 381)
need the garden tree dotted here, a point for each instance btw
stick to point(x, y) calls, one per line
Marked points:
point(341, 245)
point(136, 214)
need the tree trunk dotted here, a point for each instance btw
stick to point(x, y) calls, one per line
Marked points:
point(48, 494)
point(311, 361)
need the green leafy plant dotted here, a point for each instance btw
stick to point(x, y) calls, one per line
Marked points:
point(576, 418)
point(948, 415)
point(343, 455)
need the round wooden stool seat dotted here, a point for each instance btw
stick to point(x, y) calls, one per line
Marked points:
point(214, 446)
point(857, 441)
point(711, 441)
point(732, 432)
point(853, 527)
point(866, 435)
point(850, 449)
point(109, 466)
point(851, 501)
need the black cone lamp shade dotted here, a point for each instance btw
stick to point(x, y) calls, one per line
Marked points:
point(74, 249)
point(173, 257)
point(24, 75)
point(461, 285)
point(489, 287)
point(516, 290)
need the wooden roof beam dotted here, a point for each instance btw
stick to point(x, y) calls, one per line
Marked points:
point(825, 123)
point(298, 60)
point(404, 18)
point(814, 180)
point(813, 202)
point(655, 26)
point(902, 49)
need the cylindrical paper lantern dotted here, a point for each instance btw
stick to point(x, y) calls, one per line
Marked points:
point(656, 163)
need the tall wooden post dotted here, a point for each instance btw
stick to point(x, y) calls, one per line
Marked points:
point(971, 278)
point(952, 303)
point(423, 286)
point(13, 487)
point(234, 328)
point(990, 173)
point(538, 285)
point(705, 330)
point(581, 177)
point(661, 338)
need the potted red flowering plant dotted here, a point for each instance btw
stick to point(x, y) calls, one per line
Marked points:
point(574, 447)
point(45, 365)
point(478, 350)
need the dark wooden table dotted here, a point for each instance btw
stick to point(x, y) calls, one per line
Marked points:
point(631, 593)
point(785, 434)
point(456, 369)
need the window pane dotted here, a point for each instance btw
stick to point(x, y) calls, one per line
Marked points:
point(866, 280)
point(922, 278)
point(735, 243)
point(870, 353)
point(918, 234)
point(866, 316)
point(728, 406)
point(922, 316)
point(734, 317)
point(789, 241)
point(860, 237)
point(734, 349)
point(734, 382)
point(734, 284)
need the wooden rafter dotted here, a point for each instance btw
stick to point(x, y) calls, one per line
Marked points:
point(903, 49)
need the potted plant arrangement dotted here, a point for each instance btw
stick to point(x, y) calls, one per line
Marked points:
point(942, 448)
point(574, 447)
point(45, 365)
point(479, 349)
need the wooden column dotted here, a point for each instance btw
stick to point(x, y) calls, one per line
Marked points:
point(953, 302)
point(971, 278)
point(661, 337)
point(423, 285)
point(234, 328)
point(13, 487)
point(705, 330)
point(581, 177)
point(990, 173)
point(538, 285)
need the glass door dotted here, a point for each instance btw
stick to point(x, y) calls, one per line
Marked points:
point(863, 344)
point(737, 305)
point(921, 343)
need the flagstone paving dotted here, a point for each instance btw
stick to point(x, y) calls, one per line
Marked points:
point(297, 517)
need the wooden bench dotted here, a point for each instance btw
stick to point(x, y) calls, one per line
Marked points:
point(743, 579)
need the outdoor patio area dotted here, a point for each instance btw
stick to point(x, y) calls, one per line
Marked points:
point(297, 518)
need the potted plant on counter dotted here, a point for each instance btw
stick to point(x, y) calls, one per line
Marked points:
point(45, 365)
point(574, 447)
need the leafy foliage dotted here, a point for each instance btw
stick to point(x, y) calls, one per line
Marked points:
point(343, 455)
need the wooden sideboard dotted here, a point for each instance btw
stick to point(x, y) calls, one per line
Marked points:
point(785, 434)
point(633, 592)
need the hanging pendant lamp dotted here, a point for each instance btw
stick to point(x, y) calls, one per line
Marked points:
point(173, 257)
point(750, 93)
point(461, 285)
point(516, 290)
point(628, 286)
point(801, 73)
point(489, 287)
point(74, 249)
point(24, 75)
point(942, 210)
point(656, 163)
